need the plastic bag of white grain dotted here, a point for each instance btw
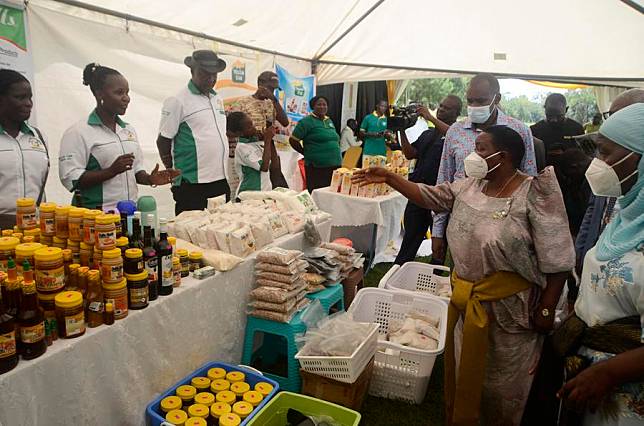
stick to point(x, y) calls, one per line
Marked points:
point(278, 256)
point(241, 242)
point(302, 202)
point(278, 228)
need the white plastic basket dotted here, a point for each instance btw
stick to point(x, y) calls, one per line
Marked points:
point(400, 372)
point(343, 368)
point(419, 277)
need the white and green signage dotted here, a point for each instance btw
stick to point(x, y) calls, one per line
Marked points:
point(14, 51)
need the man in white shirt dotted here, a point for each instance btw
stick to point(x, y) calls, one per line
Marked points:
point(192, 135)
point(348, 136)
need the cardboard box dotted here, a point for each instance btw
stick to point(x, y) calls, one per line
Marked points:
point(350, 395)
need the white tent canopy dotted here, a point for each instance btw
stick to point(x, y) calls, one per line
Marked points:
point(592, 41)
point(596, 41)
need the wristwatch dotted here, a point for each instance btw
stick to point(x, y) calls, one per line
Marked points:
point(545, 312)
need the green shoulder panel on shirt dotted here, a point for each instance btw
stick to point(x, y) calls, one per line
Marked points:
point(251, 179)
point(91, 197)
point(185, 154)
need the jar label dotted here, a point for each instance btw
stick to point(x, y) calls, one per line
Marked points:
point(111, 273)
point(75, 231)
point(167, 279)
point(177, 276)
point(105, 239)
point(151, 268)
point(119, 303)
point(138, 296)
point(50, 280)
point(90, 234)
point(47, 226)
point(75, 324)
point(26, 220)
point(61, 227)
point(3, 265)
point(7, 344)
point(33, 334)
point(96, 307)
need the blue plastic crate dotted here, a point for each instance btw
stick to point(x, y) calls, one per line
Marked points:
point(154, 416)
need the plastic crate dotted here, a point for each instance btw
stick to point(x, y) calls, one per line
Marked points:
point(400, 372)
point(154, 416)
point(345, 369)
point(274, 413)
point(418, 277)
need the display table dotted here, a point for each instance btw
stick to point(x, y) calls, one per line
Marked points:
point(110, 374)
point(379, 217)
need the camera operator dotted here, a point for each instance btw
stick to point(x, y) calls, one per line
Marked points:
point(427, 151)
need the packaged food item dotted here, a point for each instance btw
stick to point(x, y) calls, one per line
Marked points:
point(26, 251)
point(94, 307)
point(219, 385)
point(70, 314)
point(222, 236)
point(285, 278)
point(108, 318)
point(264, 388)
point(196, 421)
point(184, 259)
point(303, 202)
point(7, 250)
point(279, 316)
point(46, 302)
point(280, 285)
point(278, 228)
point(196, 260)
point(8, 343)
point(275, 295)
point(61, 243)
point(336, 179)
point(123, 244)
point(294, 222)
point(34, 234)
point(202, 384)
point(198, 410)
point(85, 254)
point(292, 268)
point(75, 224)
point(47, 219)
point(50, 271)
point(276, 307)
point(253, 397)
point(26, 213)
point(112, 266)
point(203, 273)
point(205, 398)
point(216, 202)
point(170, 403)
point(242, 408)
point(217, 373)
point(219, 409)
point(235, 377)
point(345, 188)
point(230, 419)
point(239, 389)
point(226, 396)
point(62, 230)
point(241, 242)
point(137, 286)
point(116, 294)
point(89, 226)
point(105, 232)
point(176, 271)
point(187, 394)
point(31, 323)
point(278, 256)
point(177, 417)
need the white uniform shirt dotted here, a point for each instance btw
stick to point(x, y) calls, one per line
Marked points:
point(24, 163)
point(196, 123)
point(248, 164)
point(90, 145)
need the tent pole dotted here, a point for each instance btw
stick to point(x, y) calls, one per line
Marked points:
point(348, 30)
point(128, 17)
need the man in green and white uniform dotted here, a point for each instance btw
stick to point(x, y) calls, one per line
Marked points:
point(373, 130)
point(192, 135)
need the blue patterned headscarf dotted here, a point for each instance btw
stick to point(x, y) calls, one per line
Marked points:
point(626, 231)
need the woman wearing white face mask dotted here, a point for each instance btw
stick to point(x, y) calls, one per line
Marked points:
point(512, 251)
point(609, 321)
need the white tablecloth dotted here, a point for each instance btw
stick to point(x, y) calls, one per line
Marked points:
point(110, 374)
point(385, 212)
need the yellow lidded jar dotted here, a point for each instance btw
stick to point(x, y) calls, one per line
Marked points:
point(202, 384)
point(205, 398)
point(264, 388)
point(219, 385)
point(7, 250)
point(196, 421)
point(26, 213)
point(239, 389)
point(70, 314)
point(75, 224)
point(187, 394)
point(253, 397)
point(105, 232)
point(230, 419)
point(227, 396)
point(33, 233)
point(216, 373)
point(26, 251)
point(47, 219)
point(242, 409)
point(198, 410)
point(61, 222)
point(89, 226)
point(235, 376)
point(219, 409)
point(177, 417)
point(170, 403)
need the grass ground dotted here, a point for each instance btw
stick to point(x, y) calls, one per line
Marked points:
point(379, 411)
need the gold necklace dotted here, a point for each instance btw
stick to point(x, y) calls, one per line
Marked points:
point(505, 185)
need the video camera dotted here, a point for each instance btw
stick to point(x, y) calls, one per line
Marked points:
point(402, 118)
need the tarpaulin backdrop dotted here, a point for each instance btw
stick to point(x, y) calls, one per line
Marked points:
point(150, 58)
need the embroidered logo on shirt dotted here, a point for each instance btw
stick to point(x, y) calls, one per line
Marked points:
point(36, 144)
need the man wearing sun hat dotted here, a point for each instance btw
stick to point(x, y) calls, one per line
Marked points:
point(192, 135)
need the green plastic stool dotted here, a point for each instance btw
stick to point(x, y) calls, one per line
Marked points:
point(332, 296)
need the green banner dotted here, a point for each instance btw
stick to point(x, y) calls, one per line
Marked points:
point(12, 26)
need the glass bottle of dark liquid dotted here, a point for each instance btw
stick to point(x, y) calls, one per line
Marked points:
point(164, 257)
point(8, 348)
point(94, 307)
point(13, 290)
point(151, 264)
point(136, 241)
point(31, 320)
point(124, 227)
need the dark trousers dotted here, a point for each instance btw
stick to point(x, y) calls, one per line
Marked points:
point(318, 177)
point(7, 221)
point(416, 221)
point(194, 196)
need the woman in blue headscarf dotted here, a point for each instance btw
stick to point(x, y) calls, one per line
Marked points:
point(610, 391)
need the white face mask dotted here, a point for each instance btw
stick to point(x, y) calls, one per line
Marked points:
point(476, 166)
point(480, 114)
point(603, 179)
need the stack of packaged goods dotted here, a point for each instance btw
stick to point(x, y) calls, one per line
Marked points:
point(341, 179)
point(280, 287)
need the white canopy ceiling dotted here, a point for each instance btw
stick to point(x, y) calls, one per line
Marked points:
point(597, 41)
